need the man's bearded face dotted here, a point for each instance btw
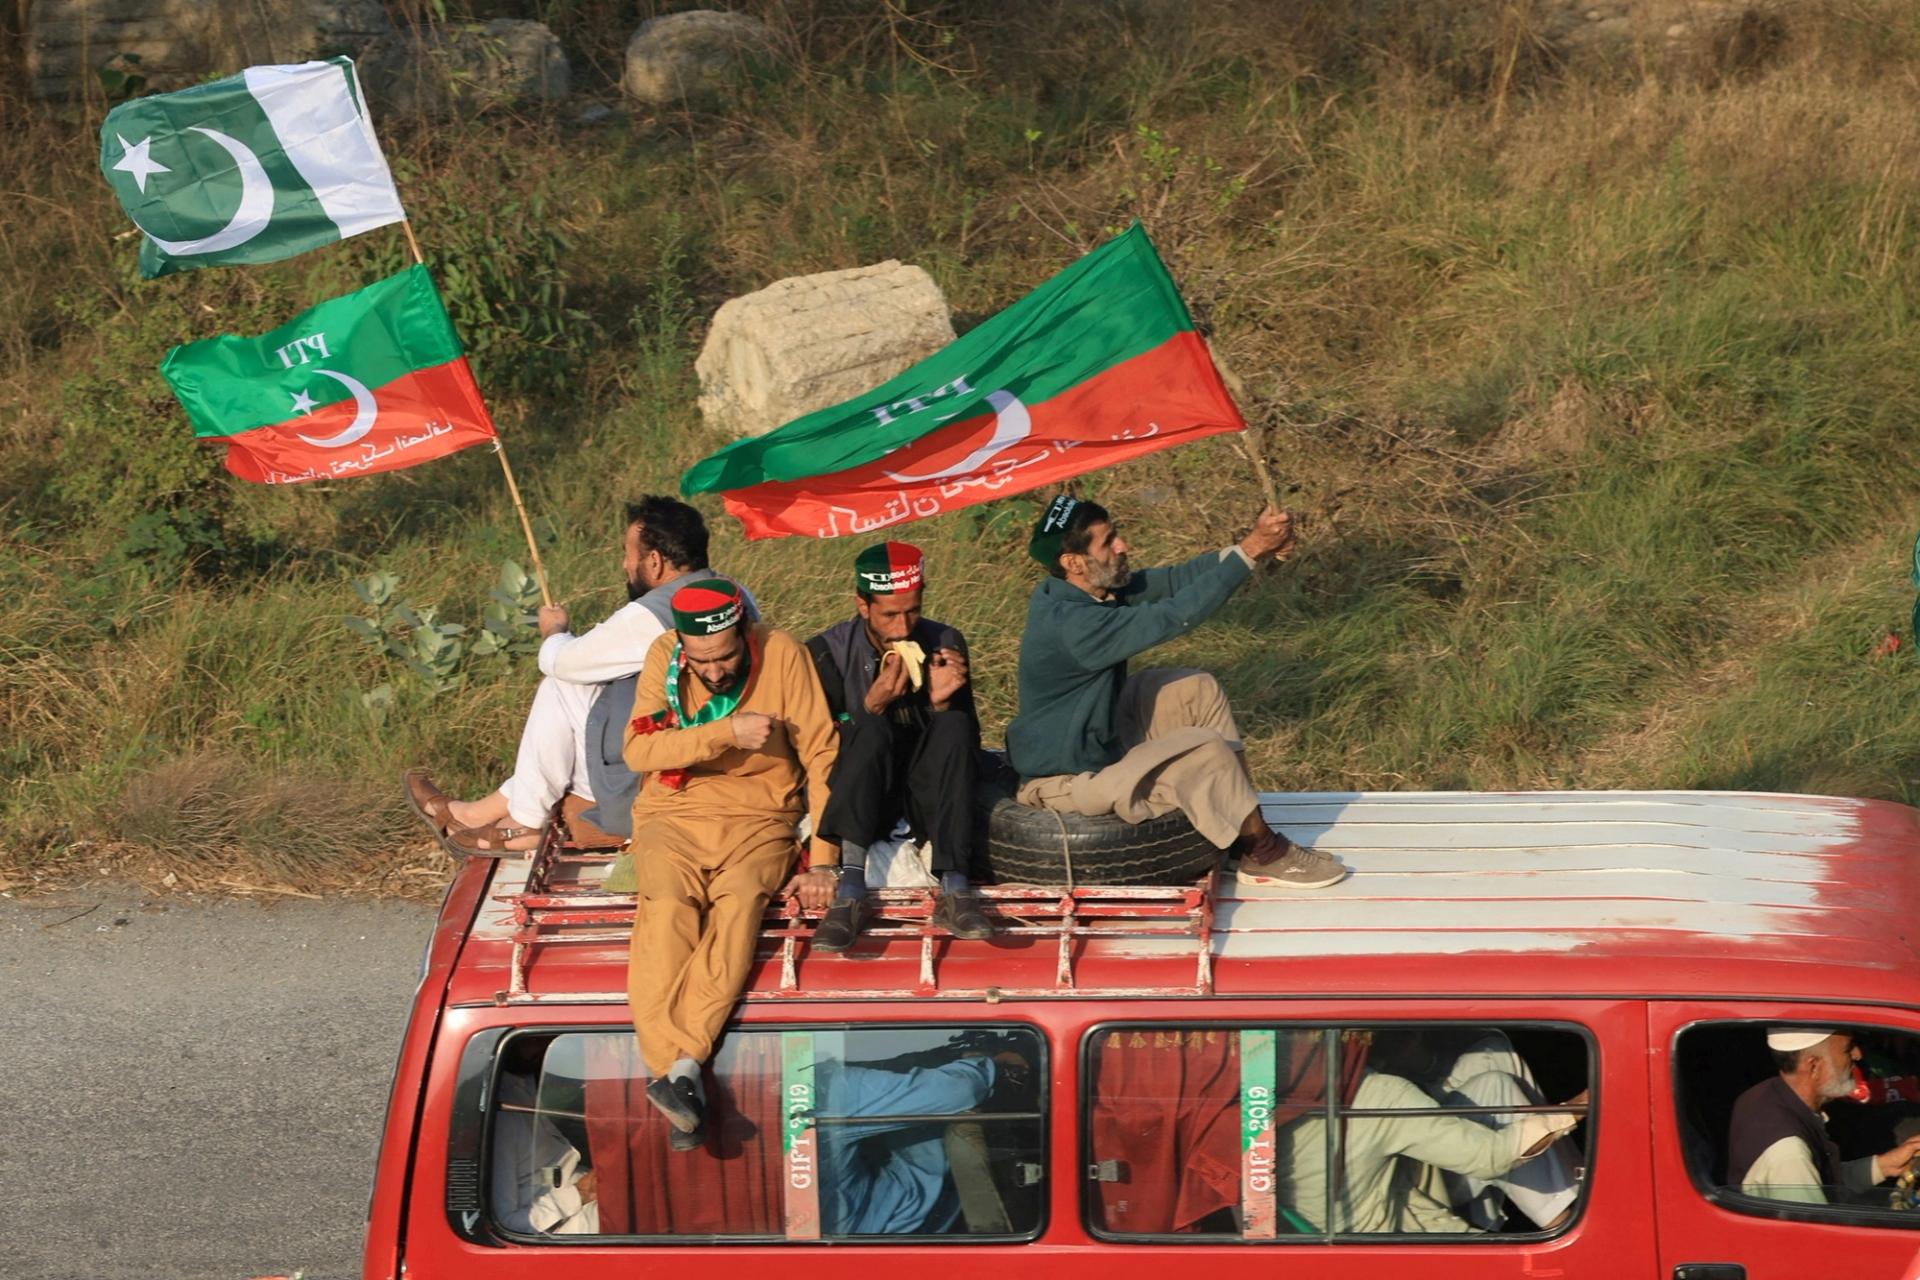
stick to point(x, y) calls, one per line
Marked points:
point(635, 553)
point(1106, 559)
point(1838, 1082)
point(716, 660)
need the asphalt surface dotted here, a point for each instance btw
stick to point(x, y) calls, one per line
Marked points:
point(195, 1088)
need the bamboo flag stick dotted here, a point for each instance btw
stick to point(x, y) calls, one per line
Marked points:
point(1253, 441)
point(506, 468)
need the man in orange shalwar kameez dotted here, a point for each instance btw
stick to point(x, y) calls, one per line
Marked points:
point(731, 730)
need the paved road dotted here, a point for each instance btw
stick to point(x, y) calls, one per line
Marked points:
point(195, 1092)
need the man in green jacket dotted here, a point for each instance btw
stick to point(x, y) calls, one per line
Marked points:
point(1091, 739)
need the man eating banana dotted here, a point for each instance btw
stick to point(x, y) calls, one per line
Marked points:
point(909, 740)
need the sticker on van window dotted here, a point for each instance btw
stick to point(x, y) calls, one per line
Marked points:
point(1258, 1208)
point(798, 1137)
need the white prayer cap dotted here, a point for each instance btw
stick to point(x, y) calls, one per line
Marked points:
point(1787, 1041)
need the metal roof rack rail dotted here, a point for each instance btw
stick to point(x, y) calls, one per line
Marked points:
point(557, 906)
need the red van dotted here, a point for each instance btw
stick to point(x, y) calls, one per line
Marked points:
point(1508, 1044)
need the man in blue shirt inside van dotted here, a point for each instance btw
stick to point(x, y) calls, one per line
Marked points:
point(891, 1177)
point(1092, 739)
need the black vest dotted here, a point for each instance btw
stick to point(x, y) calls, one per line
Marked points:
point(1768, 1112)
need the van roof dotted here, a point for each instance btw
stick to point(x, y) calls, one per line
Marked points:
point(1642, 893)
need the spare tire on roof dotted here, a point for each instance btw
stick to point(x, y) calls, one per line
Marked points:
point(1025, 845)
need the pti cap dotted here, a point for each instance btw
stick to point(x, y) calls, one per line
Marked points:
point(1052, 530)
point(888, 568)
point(1787, 1040)
point(706, 608)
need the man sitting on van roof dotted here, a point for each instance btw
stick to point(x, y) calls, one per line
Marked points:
point(1777, 1143)
point(897, 682)
point(575, 728)
point(1091, 739)
point(730, 730)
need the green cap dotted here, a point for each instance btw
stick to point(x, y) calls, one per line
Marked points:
point(1044, 546)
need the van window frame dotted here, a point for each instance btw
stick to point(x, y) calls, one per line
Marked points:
point(1731, 1198)
point(1089, 1207)
point(1042, 1073)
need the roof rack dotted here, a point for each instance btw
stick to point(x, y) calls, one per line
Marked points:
point(561, 904)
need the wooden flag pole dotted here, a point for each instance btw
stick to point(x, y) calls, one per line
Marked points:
point(526, 525)
point(506, 468)
point(1253, 442)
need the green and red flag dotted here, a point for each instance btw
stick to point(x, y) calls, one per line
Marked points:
point(373, 381)
point(1098, 365)
point(255, 167)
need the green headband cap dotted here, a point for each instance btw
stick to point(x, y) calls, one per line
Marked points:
point(1044, 546)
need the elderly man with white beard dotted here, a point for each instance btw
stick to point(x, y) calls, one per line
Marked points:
point(1777, 1143)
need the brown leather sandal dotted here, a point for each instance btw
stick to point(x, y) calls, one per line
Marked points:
point(434, 806)
point(489, 841)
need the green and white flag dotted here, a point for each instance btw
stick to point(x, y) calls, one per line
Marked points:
point(251, 168)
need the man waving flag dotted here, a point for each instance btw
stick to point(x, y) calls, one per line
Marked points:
point(252, 168)
point(1098, 365)
point(372, 381)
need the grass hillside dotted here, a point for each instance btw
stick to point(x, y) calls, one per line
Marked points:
point(1595, 393)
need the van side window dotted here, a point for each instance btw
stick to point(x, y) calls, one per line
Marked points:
point(1808, 1122)
point(1231, 1132)
point(819, 1133)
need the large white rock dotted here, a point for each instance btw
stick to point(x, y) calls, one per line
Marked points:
point(807, 342)
point(683, 55)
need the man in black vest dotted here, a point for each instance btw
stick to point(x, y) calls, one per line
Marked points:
point(909, 738)
point(576, 727)
point(1777, 1144)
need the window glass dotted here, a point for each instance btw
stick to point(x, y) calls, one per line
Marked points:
point(817, 1133)
point(1825, 1125)
point(1258, 1133)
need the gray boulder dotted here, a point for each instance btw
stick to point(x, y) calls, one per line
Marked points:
point(807, 342)
point(466, 67)
point(693, 54)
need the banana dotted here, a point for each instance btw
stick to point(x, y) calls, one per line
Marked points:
point(916, 659)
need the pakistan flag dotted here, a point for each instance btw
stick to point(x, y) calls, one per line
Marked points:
point(251, 168)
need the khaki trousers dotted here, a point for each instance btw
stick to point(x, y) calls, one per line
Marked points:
point(1182, 752)
point(685, 973)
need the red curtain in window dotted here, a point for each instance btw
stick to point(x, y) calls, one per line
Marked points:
point(730, 1186)
point(1166, 1105)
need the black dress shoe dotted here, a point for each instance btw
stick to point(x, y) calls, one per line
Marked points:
point(678, 1100)
point(841, 925)
point(961, 916)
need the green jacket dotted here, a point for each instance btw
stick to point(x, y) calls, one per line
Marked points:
point(1073, 657)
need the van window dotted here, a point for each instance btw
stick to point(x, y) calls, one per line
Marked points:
point(1755, 1145)
point(812, 1133)
point(1197, 1131)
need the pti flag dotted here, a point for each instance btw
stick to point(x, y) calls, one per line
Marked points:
point(1098, 365)
point(370, 382)
point(252, 168)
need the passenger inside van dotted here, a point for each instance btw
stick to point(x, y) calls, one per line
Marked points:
point(1778, 1145)
point(1433, 1170)
point(540, 1182)
point(1428, 1138)
point(885, 1176)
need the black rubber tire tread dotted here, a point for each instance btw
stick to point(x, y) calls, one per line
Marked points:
point(1024, 845)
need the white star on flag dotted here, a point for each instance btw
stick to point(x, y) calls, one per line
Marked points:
point(135, 160)
point(302, 403)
